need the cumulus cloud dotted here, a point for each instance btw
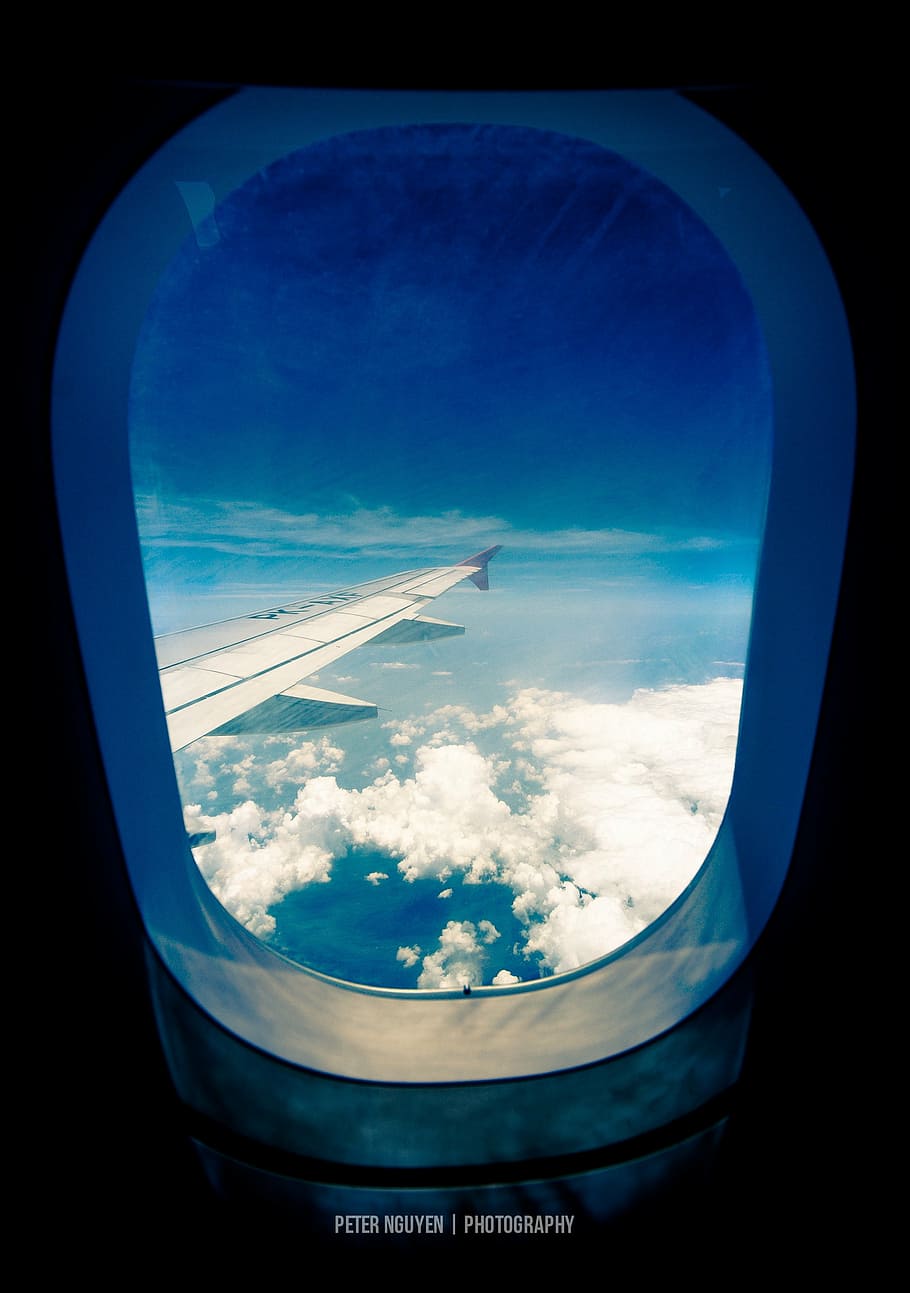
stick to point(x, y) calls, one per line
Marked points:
point(405, 731)
point(408, 956)
point(469, 719)
point(256, 859)
point(376, 877)
point(241, 760)
point(303, 761)
point(460, 958)
point(503, 978)
point(594, 816)
point(241, 770)
point(202, 774)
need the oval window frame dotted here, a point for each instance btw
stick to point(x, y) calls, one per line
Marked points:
point(635, 994)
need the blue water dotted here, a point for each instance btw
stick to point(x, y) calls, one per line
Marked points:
point(352, 929)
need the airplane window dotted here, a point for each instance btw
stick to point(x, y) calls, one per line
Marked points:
point(385, 351)
point(540, 342)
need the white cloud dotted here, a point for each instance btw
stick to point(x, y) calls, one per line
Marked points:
point(461, 955)
point(256, 859)
point(246, 527)
point(238, 526)
point(469, 719)
point(404, 731)
point(376, 877)
point(445, 893)
point(241, 772)
point(202, 775)
point(619, 806)
point(408, 956)
point(303, 761)
point(503, 978)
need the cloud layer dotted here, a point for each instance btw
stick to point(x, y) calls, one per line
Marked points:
point(594, 816)
point(252, 529)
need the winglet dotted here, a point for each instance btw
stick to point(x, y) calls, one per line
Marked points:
point(480, 559)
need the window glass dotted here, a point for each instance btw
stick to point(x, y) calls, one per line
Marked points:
point(391, 350)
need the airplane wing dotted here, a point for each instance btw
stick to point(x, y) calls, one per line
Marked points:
point(248, 674)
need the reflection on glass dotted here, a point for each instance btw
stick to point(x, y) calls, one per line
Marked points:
point(394, 349)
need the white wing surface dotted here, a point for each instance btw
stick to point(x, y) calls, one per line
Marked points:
point(248, 674)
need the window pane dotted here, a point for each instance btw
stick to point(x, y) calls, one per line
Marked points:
point(389, 351)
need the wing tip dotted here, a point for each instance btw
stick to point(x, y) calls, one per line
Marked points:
point(480, 577)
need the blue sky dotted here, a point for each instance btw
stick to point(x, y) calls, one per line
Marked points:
point(400, 346)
